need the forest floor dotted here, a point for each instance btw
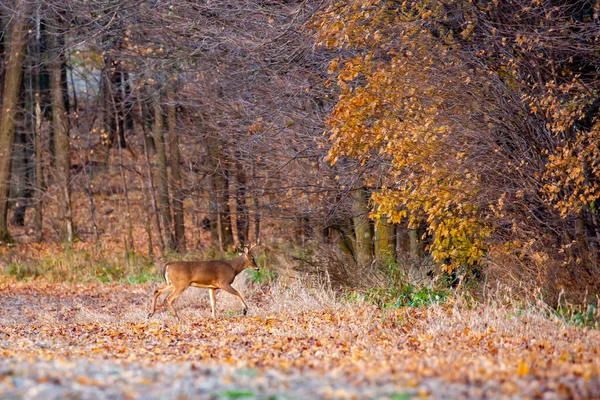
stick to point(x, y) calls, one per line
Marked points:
point(94, 341)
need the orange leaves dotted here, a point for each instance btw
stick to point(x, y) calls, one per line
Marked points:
point(448, 342)
point(523, 369)
point(334, 65)
point(572, 172)
point(447, 117)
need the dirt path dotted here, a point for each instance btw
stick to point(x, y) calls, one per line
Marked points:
point(93, 341)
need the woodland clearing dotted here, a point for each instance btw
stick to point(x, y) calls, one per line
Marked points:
point(93, 341)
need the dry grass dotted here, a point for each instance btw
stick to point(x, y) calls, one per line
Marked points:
point(494, 349)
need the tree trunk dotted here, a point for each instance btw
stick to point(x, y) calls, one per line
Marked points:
point(219, 175)
point(178, 214)
point(2, 55)
point(22, 169)
point(257, 211)
point(107, 134)
point(225, 214)
point(242, 220)
point(61, 135)
point(306, 225)
point(163, 179)
point(37, 88)
point(108, 121)
point(413, 234)
point(114, 89)
point(397, 242)
point(20, 190)
point(362, 227)
point(129, 242)
point(129, 237)
point(213, 208)
point(151, 194)
point(10, 102)
point(257, 216)
point(384, 241)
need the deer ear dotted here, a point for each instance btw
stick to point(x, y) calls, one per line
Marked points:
point(238, 250)
point(246, 249)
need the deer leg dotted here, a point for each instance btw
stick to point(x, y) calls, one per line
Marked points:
point(174, 294)
point(234, 292)
point(213, 301)
point(157, 293)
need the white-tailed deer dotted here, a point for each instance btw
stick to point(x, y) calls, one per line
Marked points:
point(213, 275)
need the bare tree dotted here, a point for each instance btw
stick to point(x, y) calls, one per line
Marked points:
point(39, 176)
point(176, 179)
point(10, 105)
point(163, 179)
point(60, 124)
point(219, 173)
point(242, 214)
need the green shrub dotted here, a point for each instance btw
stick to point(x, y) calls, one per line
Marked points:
point(21, 271)
point(406, 295)
point(587, 316)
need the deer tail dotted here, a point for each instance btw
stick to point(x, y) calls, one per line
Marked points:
point(164, 272)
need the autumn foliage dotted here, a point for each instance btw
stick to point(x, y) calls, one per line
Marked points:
point(486, 113)
point(460, 140)
point(422, 176)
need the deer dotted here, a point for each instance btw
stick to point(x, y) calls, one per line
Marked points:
point(212, 275)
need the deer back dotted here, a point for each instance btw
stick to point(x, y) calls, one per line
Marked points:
point(200, 273)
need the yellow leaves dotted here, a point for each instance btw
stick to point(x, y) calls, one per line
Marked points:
point(351, 69)
point(334, 65)
point(575, 173)
point(523, 369)
point(457, 231)
point(571, 174)
point(468, 31)
point(331, 159)
point(408, 98)
point(377, 36)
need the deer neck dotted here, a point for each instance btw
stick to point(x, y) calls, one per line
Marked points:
point(238, 264)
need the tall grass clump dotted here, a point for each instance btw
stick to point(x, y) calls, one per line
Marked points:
point(80, 265)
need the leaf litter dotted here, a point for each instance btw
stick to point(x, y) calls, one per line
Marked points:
point(93, 341)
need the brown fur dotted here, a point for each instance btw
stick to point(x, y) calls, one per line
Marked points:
point(212, 275)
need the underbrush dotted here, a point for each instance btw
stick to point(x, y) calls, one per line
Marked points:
point(399, 289)
point(87, 265)
point(406, 295)
point(396, 288)
point(584, 315)
point(82, 264)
